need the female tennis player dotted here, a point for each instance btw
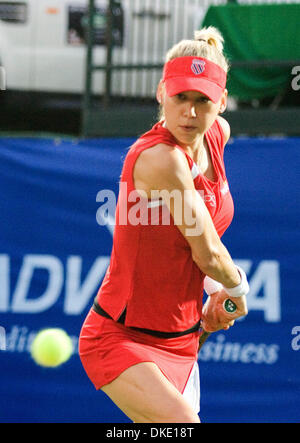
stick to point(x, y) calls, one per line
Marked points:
point(139, 341)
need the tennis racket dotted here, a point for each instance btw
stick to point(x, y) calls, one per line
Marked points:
point(230, 307)
point(202, 338)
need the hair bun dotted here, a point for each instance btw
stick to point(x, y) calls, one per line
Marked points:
point(211, 36)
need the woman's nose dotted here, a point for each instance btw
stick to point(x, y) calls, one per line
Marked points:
point(193, 111)
point(190, 111)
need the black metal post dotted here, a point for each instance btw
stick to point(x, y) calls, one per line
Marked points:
point(109, 52)
point(87, 97)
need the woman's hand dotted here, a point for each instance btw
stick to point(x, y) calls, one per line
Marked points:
point(220, 311)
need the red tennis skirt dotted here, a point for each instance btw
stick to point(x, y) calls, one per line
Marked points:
point(107, 348)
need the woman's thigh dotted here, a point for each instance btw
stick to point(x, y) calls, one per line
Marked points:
point(145, 395)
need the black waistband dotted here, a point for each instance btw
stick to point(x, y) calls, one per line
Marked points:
point(159, 334)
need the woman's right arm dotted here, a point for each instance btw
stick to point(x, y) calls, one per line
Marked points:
point(165, 169)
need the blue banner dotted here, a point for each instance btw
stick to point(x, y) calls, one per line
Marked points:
point(54, 252)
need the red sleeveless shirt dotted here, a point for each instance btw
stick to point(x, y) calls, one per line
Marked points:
point(151, 273)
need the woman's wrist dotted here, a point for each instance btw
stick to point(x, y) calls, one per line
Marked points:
point(242, 288)
point(212, 286)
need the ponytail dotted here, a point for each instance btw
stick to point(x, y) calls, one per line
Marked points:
point(208, 43)
point(211, 36)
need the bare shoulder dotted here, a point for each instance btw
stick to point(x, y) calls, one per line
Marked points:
point(161, 158)
point(160, 166)
point(225, 127)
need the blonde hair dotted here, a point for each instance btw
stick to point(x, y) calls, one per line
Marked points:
point(208, 43)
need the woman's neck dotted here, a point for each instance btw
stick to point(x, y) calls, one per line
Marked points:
point(196, 149)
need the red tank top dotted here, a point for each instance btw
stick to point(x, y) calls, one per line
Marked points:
point(151, 272)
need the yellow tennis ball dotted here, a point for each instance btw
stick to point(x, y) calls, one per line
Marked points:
point(51, 347)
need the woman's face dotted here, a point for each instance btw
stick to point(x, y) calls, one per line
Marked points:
point(189, 114)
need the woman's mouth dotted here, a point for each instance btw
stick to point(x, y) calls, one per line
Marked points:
point(188, 128)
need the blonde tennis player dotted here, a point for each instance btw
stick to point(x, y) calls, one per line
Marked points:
point(139, 341)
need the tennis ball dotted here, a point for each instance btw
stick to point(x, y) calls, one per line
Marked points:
point(51, 347)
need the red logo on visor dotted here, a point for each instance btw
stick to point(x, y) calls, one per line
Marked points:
point(198, 66)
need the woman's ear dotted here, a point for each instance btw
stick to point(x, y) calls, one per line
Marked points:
point(223, 104)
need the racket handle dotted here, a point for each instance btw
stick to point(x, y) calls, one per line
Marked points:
point(230, 307)
point(203, 337)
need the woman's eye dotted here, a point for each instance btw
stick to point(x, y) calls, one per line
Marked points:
point(203, 100)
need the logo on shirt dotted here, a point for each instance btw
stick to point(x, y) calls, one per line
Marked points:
point(198, 66)
point(210, 199)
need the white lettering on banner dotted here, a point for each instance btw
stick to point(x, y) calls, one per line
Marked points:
point(54, 267)
point(4, 282)
point(2, 339)
point(78, 296)
point(77, 293)
point(264, 284)
point(218, 349)
point(264, 292)
point(19, 339)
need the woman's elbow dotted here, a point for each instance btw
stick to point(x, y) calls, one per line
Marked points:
point(208, 262)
